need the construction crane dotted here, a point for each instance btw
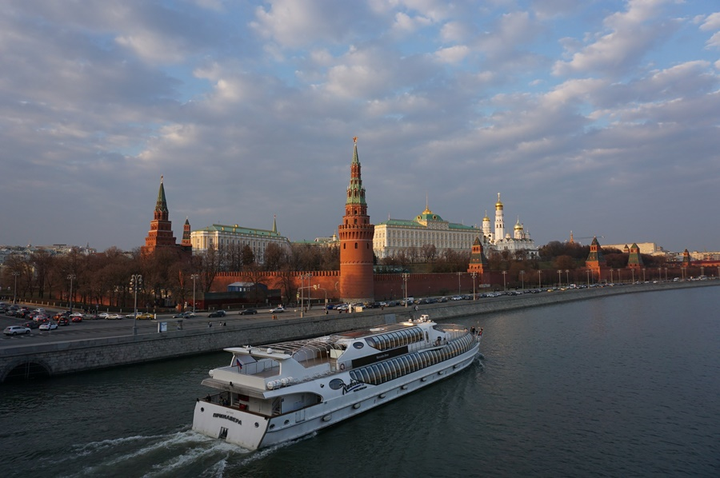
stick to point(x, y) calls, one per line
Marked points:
point(572, 239)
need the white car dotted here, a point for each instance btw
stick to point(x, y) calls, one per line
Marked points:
point(277, 310)
point(48, 326)
point(16, 329)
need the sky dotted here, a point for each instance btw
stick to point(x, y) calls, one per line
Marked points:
point(596, 117)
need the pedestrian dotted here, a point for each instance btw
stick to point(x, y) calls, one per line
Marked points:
point(209, 325)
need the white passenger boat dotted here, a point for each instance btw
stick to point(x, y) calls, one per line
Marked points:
point(279, 392)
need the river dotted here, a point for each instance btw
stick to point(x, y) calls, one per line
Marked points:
point(625, 385)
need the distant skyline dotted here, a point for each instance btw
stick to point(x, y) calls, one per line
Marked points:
point(597, 117)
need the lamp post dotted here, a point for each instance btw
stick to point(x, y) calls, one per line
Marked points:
point(135, 282)
point(567, 277)
point(633, 275)
point(71, 277)
point(405, 280)
point(15, 275)
point(459, 282)
point(643, 274)
point(522, 280)
point(194, 277)
point(611, 275)
point(666, 275)
point(302, 294)
point(316, 287)
point(504, 273)
point(539, 279)
point(559, 278)
point(702, 271)
point(588, 277)
point(474, 275)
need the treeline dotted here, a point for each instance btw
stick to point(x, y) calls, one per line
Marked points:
point(167, 277)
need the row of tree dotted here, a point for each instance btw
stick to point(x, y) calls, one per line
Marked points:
point(166, 279)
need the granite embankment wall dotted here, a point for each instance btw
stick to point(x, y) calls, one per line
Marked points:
point(57, 358)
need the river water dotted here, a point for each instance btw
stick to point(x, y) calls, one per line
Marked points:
point(625, 385)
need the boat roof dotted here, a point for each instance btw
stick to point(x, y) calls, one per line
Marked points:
point(340, 341)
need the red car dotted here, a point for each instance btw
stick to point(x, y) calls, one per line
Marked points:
point(63, 321)
point(76, 318)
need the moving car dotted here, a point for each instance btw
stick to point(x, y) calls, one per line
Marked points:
point(217, 313)
point(184, 315)
point(145, 316)
point(16, 330)
point(277, 309)
point(248, 312)
point(49, 326)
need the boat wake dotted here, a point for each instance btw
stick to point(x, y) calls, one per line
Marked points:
point(183, 453)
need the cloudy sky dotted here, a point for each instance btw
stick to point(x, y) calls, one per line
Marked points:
point(593, 116)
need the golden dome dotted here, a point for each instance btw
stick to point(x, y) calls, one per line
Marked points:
point(498, 204)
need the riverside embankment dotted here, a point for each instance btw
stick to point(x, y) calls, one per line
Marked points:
point(57, 358)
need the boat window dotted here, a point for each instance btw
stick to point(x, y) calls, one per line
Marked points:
point(388, 371)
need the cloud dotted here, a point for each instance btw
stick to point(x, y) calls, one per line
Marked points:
point(628, 36)
point(453, 54)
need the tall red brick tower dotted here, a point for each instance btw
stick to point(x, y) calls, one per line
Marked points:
point(478, 261)
point(356, 241)
point(160, 234)
point(596, 261)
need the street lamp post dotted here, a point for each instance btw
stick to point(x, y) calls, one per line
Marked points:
point(15, 275)
point(316, 287)
point(567, 277)
point(194, 277)
point(71, 277)
point(611, 275)
point(522, 280)
point(459, 282)
point(559, 278)
point(405, 280)
point(135, 282)
point(539, 279)
point(633, 275)
point(643, 274)
point(474, 275)
point(504, 273)
point(588, 277)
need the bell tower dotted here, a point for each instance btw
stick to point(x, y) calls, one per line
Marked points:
point(356, 241)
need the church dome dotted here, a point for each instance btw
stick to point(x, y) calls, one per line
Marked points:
point(498, 204)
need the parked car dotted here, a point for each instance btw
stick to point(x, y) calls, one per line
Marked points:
point(217, 313)
point(277, 309)
point(16, 330)
point(248, 312)
point(48, 326)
